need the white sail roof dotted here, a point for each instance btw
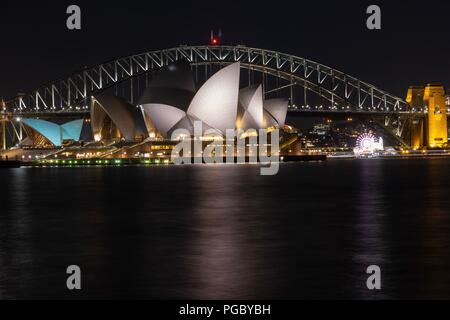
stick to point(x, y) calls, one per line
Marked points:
point(125, 116)
point(251, 99)
point(216, 102)
point(163, 117)
point(277, 108)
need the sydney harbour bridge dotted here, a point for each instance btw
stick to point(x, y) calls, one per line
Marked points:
point(313, 89)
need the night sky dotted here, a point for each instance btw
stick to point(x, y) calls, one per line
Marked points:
point(413, 46)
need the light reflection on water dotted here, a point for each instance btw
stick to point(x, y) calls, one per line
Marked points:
point(225, 232)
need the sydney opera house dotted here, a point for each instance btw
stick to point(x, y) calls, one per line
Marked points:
point(171, 102)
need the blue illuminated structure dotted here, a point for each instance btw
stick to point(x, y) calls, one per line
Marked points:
point(55, 133)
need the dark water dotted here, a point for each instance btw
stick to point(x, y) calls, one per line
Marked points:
point(212, 232)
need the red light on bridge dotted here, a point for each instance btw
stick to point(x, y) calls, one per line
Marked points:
point(215, 41)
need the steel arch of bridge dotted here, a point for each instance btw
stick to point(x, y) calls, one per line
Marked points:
point(345, 93)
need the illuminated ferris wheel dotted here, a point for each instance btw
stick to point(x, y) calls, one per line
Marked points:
point(365, 141)
point(368, 144)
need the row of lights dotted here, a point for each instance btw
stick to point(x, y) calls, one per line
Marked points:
point(336, 108)
point(98, 162)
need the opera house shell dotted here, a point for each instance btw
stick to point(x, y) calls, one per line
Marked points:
point(218, 104)
point(48, 134)
point(113, 118)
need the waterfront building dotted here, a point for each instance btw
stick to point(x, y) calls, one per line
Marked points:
point(170, 102)
point(47, 134)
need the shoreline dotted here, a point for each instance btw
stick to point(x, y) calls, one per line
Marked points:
point(166, 161)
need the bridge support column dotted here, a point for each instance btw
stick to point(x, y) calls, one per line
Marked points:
point(417, 134)
point(3, 134)
point(3, 119)
point(432, 132)
point(437, 128)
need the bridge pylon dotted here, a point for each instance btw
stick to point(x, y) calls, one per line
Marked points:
point(3, 119)
point(430, 131)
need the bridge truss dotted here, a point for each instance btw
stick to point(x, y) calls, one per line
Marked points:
point(342, 92)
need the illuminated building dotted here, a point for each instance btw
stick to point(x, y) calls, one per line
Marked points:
point(437, 131)
point(321, 129)
point(48, 134)
point(433, 130)
point(415, 99)
point(169, 103)
point(218, 104)
point(113, 118)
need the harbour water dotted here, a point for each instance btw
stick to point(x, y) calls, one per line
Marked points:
point(225, 232)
